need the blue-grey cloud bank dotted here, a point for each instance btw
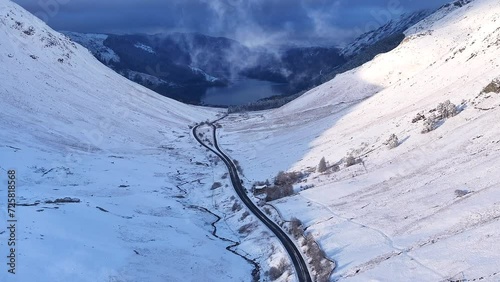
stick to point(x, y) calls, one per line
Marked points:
point(253, 22)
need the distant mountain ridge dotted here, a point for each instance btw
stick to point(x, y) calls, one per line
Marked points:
point(393, 27)
point(184, 65)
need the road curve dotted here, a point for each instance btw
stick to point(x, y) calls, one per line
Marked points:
point(298, 261)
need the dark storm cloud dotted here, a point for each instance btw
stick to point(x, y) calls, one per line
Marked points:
point(251, 21)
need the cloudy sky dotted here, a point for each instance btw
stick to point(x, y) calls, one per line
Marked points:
point(253, 22)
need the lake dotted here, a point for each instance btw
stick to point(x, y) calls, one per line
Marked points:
point(242, 91)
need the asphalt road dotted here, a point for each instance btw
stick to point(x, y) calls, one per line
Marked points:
point(298, 261)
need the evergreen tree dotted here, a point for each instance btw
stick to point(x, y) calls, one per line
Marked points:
point(322, 165)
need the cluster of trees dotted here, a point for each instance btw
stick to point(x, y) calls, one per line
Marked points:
point(282, 185)
point(447, 109)
point(278, 192)
point(443, 111)
point(348, 161)
point(287, 178)
point(319, 261)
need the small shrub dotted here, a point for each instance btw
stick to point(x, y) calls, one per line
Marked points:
point(461, 193)
point(442, 112)
point(29, 31)
point(236, 207)
point(247, 228)
point(216, 185)
point(244, 215)
point(267, 211)
point(392, 142)
point(493, 87)
point(335, 168)
point(350, 160)
point(283, 185)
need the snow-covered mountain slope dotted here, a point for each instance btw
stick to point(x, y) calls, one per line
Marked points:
point(427, 210)
point(56, 90)
point(95, 43)
point(389, 29)
point(71, 127)
point(147, 79)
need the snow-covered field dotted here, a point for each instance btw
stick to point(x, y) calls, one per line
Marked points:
point(398, 215)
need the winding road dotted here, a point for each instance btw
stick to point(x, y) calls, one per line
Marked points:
point(298, 261)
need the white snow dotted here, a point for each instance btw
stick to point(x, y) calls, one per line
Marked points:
point(390, 28)
point(396, 217)
point(95, 43)
point(149, 78)
point(208, 77)
point(145, 47)
point(72, 127)
point(148, 233)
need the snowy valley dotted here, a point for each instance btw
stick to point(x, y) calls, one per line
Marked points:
point(112, 186)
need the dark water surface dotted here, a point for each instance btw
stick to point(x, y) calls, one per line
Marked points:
point(242, 91)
